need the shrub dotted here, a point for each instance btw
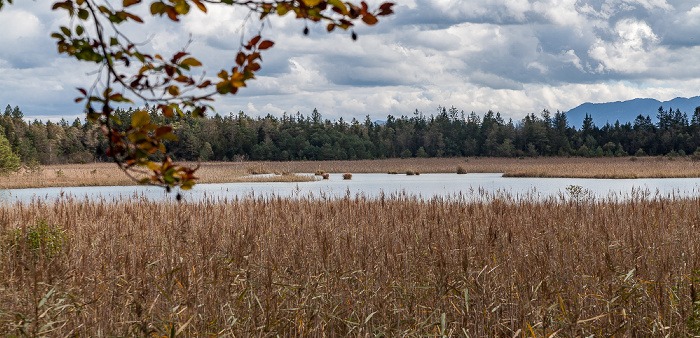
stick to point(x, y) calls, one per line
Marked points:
point(410, 172)
point(41, 239)
point(347, 176)
point(9, 160)
point(319, 172)
point(461, 170)
point(325, 176)
point(32, 167)
point(696, 155)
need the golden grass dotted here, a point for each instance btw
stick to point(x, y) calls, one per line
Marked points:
point(606, 167)
point(393, 266)
point(106, 174)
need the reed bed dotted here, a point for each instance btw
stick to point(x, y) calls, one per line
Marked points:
point(108, 174)
point(105, 174)
point(606, 167)
point(494, 265)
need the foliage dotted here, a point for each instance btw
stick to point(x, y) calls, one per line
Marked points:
point(9, 161)
point(96, 34)
point(40, 240)
point(449, 133)
point(693, 320)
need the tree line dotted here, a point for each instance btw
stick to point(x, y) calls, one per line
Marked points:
point(448, 132)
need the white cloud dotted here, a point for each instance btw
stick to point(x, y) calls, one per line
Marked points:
point(650, 4)
point(631, 52)
point(512, 56)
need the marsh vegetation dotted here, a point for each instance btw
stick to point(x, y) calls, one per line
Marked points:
point(394, 265)
point(106, 174)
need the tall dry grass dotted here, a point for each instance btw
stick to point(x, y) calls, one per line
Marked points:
point(108, 174)
point(104, 174)
point(392, 265)
point(606, 167)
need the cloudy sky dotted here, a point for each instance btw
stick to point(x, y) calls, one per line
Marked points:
point(511, 56)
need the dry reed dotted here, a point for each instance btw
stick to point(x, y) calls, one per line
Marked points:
point(223, 172)
point(391, 265)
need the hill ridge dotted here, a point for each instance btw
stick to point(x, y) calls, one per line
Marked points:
point(627, 111)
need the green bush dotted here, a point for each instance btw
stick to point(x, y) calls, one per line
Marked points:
point(9, 160)
point(41, 239)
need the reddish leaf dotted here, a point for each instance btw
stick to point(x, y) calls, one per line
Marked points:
point(266, 44)
point(177, 56)
point(204, 84)
point(240, 58)
point(133, 17)
point(253, 56)
point(369, 19)
point(172, 14)
point(386, 8)
point(200, 5)
point(127, 3)
point(163, 130)
point(166, 110)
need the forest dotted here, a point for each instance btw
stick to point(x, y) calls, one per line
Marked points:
point(448, 132)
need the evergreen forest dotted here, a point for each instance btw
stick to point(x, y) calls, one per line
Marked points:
point(448, 132)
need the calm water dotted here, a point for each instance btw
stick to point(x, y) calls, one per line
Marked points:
point(371, 185)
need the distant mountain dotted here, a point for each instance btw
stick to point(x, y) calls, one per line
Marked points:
point(627, 111)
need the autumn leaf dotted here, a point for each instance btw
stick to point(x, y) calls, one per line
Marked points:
point(191, 62)
point(128, 3)
point(140, 119)
point(266, 44)
point(369, 19)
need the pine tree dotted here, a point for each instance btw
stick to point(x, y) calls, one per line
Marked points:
point(9, 161)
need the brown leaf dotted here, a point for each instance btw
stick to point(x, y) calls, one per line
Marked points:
point(266, 44)
point(369, 19)
point(200, 5)
point(127, 3)
point(386, 8)
point(177, 56)
point(162, 130)
point(240, 58)
point(172, 13)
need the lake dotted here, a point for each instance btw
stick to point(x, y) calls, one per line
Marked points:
point(373, 185)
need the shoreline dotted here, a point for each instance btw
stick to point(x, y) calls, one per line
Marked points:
point(107, 174)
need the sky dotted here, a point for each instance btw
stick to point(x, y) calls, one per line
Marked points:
point(511, 56)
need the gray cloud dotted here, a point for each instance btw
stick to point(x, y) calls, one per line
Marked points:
point(512, 56)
